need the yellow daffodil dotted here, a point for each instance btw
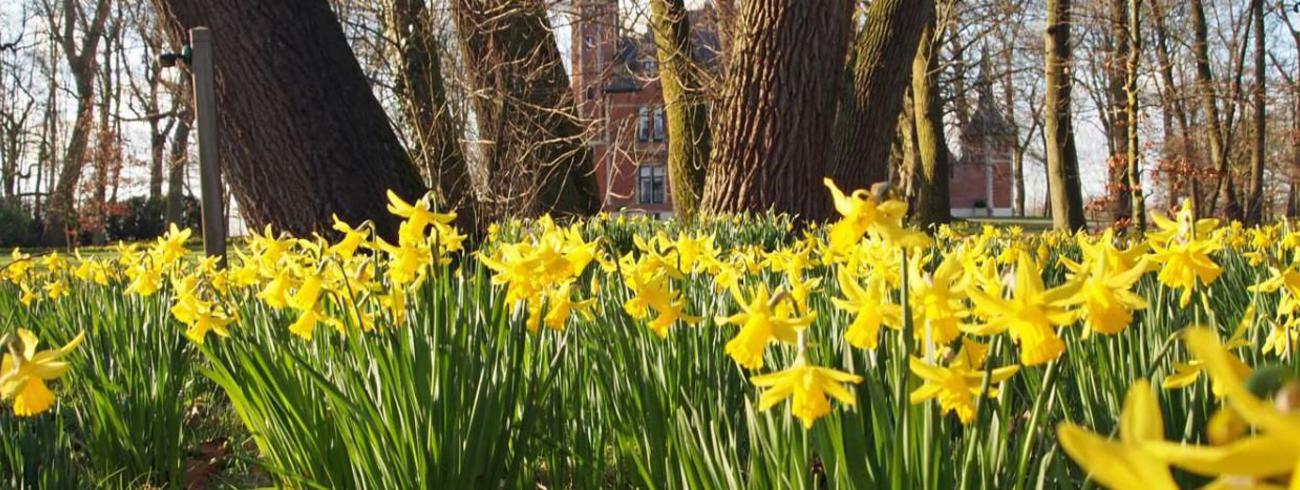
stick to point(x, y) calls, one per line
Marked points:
point(171, 246)
point(938, 306)
point(145, 280)
point(1186, 373)
point(1031, 314)
point(24, 371)
point(18, 266)
point(1272, 452)
point(807, 387)
point(1106, 286)
point(761, 322)
point(201, 317)
point(56, 289)
point(1126, 463)
point(28, 296)
point(871, 308)
point(860, 213)
point(957, 386)
point(351, 240)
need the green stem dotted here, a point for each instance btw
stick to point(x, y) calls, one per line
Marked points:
point(900, 389)
point(974, 435)
point(1049, 380)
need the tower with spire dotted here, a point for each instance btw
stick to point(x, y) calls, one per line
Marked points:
point(981, 179)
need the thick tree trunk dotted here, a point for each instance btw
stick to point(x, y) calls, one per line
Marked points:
point(1062, 157)
point(1133, 160)
point(535, 152)
point(435, 136)
point(303, 137)
point(868, 112)
point(1255, 194)
point(932, 205)
point(778, 109)
point(685, 107)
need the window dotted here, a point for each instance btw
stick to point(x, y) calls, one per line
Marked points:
point(659, 124)
point(650, 184)
point(643, 124)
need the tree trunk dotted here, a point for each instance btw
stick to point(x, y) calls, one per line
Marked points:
point(81, 62)
point(1223, 192)
point(303, 137)
point(1018, 153)
point(1117, 127)
point(180, 157)
point(778, 109)
point(685, 108)
point(904, 158)
point(1062, 157)
point(1174, 109)
point(868, 112)
point(1255, 194)
point(1137, 200)
point(535, 151)
point(435, 136)
point(932, 205)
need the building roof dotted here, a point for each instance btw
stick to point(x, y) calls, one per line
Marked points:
point(636, 58)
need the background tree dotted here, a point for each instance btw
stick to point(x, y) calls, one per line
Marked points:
point(773, 132)
point(303, 137)
point(932, 205)
point(1255, 193)
point(426, 114)
point(869, 110)
point(81, 58)
point(533, 142)
point(1062, 157)
point(1133, 158)
point(685, 107)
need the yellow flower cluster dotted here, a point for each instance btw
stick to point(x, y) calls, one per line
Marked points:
point(856, 281)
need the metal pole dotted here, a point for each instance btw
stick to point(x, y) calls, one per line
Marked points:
point(205, 105)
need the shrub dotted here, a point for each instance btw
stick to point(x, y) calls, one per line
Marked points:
point(18, 228)
point(142, 218)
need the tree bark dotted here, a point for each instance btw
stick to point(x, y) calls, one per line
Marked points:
point(1174, 109)
point(1133, 160)
point(435, 136)
point(1117, 190)
point(932, 206)
point(1255, 194)
point(778, 109)
point(685, 108)
point(180, 157)
point(1062, 157)
point(82, 63)
point(303, 136)
point(1214, 134)
point(535, 152)
point(868, 112)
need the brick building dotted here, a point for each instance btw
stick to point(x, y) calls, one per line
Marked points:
point(615, 80)
point(980, 183)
